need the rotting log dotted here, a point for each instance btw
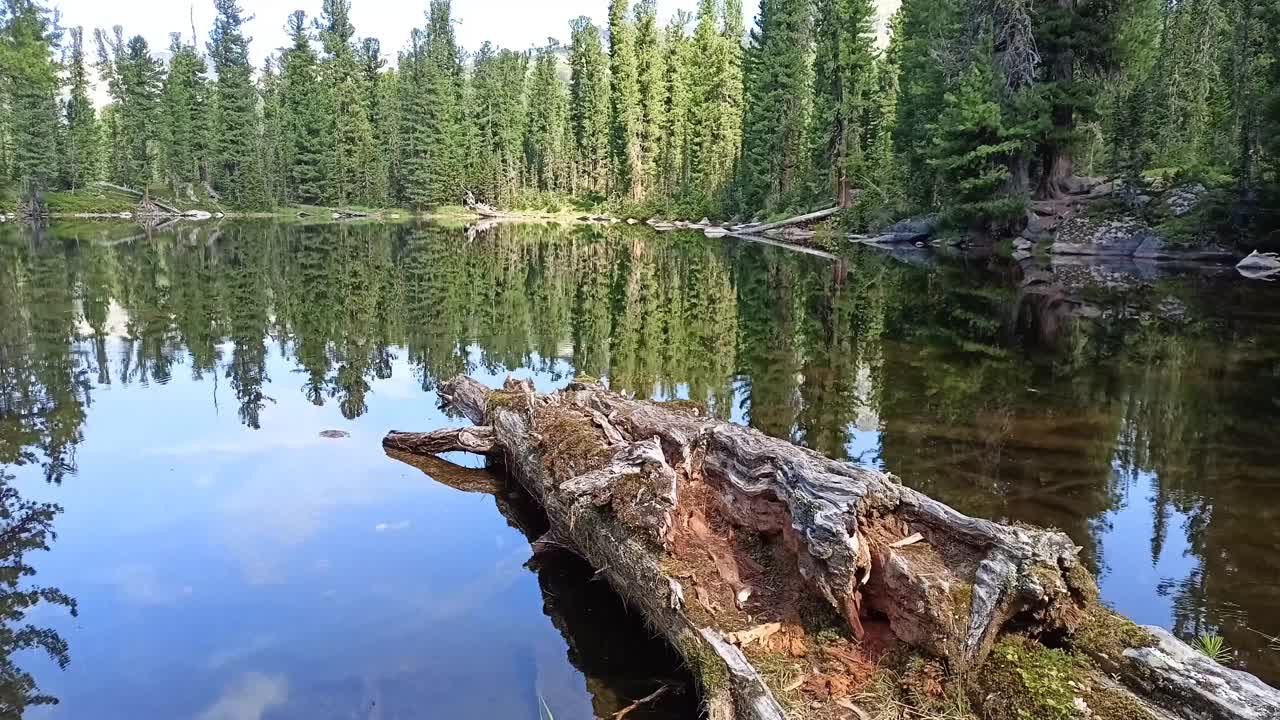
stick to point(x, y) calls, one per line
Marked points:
point(145, 196)
point(733, 544)
point(798, 220)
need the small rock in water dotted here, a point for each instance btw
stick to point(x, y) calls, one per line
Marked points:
point(335, 434)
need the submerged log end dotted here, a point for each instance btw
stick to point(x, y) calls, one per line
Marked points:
point(478, 440)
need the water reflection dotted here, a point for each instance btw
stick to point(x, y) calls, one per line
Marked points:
point(1135, 417)
point(605, 642)
point(25, 526)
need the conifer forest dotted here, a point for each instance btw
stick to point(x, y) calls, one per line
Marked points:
point(968, 108)
point(733, 359)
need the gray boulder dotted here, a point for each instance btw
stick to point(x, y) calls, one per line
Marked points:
point(912, 229)
point(1086, 236)
point(1182, 200)
point(1129, 237)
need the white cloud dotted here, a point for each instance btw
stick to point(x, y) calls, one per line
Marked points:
point(249, 698)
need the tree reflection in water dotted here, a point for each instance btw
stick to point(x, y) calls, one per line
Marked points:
point(25, 526)
point(1012, 396)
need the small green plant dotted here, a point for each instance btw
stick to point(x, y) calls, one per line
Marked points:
point(1213, 647)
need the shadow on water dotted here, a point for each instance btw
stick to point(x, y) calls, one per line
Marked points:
point(608, 643)
point(1133, 410)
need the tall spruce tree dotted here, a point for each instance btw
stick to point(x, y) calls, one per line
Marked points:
point(1271, 118)
point(80, 146)
point(715, 127)
point(433, 163)
point(1074, 40)
point(844, 98)
point(270, 87)
point(29, 77)
point(351, 164)
point(673, 146)
point(546, 156)
point(184, 118)
point(928, 28)
point(135, 88)
point(387, 130)
point(6, 111)
point(779, 101)
point(971, 151)
point(498, 116)
point(589, 107)
point(652, 90)
point(236, 171)
point(378, 106)
point(625, 102)
point(303, 123)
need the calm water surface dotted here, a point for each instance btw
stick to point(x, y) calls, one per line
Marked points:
point(169, 393)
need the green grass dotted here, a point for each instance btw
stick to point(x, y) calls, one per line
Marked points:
point(1213, 647)
point(90, 200)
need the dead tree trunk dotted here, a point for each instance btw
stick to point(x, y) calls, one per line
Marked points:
point(798, 220)
point(732, 542)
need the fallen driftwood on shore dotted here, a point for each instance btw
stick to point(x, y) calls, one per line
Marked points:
point(798, 220)
point(776, 572)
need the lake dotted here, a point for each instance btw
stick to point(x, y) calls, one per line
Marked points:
point(169, 390)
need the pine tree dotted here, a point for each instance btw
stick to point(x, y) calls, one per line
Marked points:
point(133, 80)
point(971, 151)
point(80, 149)
point(235, 171)
point(184, 115)
point(1271, 118)
point(387, 131)
point(497, 114)
point(589, 107)
point(546, 156)
point(652, 92)
point(270, 87)
point(433, 161)
point(378, 106)
point(351, 166)
point(926, 26)
point(673, 146)
point(30, 80)
point(1072, 39)
point(779, 101)
point(882, 200)
point(715, 129)
point(845, 80)
point(304, 127)
point(624, 101)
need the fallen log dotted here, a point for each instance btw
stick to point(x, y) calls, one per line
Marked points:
point(749, 554)
point(146, 197)
point(798, 220)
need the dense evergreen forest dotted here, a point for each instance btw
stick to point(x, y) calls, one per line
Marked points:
point(967, 107)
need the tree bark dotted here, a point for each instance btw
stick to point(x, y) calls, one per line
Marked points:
point(1056, 159)
point(723, 536)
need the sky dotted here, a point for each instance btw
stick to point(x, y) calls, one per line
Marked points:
point(516, 24)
